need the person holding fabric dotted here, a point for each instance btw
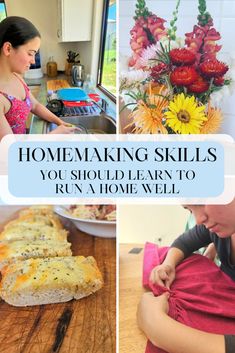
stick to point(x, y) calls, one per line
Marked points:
point(19, 42)
point(215, 224)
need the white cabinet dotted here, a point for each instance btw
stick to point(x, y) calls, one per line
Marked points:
point(74, 20)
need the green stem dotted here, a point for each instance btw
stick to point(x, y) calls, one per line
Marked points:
point(208, 93)
point(172, 30)
point(185, 91)
point(169, 86)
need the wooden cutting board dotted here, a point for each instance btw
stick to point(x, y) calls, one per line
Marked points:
point(79, 326)
point(54, 85)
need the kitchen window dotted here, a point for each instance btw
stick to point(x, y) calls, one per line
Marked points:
point(107, 59)
point(3, 12)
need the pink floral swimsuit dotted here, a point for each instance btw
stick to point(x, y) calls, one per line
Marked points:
point(19, 111)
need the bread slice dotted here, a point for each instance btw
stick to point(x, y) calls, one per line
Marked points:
point(29, 233)
point(36, 209)
point(20, 250)
point(36, 221)
point(49, 280)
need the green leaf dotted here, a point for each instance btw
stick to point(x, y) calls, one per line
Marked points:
point(132, 95)
point(125, 106)
point(227, 82)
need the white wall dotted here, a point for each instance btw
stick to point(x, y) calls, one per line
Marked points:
point(43, 14)
point(223, 13)
point(141, 223)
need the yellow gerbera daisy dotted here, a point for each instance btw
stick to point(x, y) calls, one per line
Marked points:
point(213, 123)
point(148, 117)
point(184, 116)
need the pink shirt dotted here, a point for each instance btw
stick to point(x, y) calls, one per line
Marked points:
point(19, 111)
point(202, 295)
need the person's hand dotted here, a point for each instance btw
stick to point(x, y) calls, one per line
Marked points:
point(210, 252)
point(59, 121)
point(62, 129)
point(151, 308)
point(67, 124)
point(163, 275)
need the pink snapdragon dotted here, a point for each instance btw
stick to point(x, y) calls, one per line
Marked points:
point(146, 31)
point(202, 42)
point(156, 27)
point(139, 39)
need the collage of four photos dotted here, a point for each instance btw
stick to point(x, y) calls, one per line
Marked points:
point(138, 277)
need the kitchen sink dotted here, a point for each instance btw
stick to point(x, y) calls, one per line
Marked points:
point(88, 124)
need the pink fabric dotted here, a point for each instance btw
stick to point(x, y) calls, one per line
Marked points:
point(202, 296)
point(19, 111)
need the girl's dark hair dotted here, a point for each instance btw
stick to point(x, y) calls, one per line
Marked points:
point(17, 31)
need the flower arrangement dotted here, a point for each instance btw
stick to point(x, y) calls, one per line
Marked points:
point(171, 83)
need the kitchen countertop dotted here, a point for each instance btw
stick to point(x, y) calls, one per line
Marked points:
point(87, 325)
point(37, 125)
point(131, 339)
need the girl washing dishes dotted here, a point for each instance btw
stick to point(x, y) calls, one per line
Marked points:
point(19, 42)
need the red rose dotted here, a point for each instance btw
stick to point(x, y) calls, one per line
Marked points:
point(183, 76)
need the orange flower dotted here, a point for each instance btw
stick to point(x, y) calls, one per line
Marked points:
point(147, 118)
point(155, 88)
point(213, 123)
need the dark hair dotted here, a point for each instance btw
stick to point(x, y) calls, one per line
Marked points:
point(17, 31)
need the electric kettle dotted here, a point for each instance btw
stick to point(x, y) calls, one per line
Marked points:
point(78, 75)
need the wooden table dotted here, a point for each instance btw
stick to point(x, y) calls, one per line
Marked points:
point(131, 339)
point(87, 325)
